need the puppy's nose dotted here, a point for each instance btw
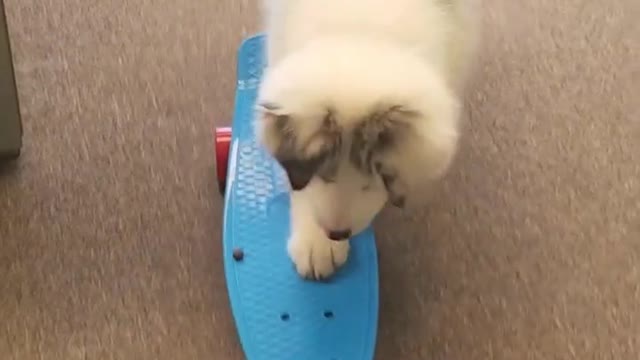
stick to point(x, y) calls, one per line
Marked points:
point(338, 235)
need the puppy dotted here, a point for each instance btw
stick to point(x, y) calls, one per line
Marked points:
point(359, 104)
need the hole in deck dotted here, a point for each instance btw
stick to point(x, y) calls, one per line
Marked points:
point(285, 316)
point(328, 314)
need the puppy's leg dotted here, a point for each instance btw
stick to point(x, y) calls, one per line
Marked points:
point(314, 255)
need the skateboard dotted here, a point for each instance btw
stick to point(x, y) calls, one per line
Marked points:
point(279, 315)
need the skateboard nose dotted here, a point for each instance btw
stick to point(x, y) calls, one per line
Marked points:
point(338, 235)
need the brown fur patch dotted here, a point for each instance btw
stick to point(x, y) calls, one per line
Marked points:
point(377, 133)
point(294, 154)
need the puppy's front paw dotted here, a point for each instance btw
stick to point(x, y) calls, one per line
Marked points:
point(317, 257)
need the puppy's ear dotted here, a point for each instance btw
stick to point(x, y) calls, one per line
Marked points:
point(379, 133)
point(273, 124)
point(302, 151)
point(278, 134)
point(419, 151)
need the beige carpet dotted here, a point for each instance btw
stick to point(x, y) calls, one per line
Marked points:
point(110, 222)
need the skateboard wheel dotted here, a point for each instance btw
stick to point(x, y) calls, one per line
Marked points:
point(222, 138)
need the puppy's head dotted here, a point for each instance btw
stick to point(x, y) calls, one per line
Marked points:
point(352, 136)
point(339, 168)
point(305, 146)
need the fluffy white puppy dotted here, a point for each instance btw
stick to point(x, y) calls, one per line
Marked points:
point(360, 105)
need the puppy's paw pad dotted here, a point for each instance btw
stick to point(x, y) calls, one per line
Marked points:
point(318, 258)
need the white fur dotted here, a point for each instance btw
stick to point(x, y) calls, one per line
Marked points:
point(351, 56)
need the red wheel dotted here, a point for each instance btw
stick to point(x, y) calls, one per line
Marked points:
point(222, 138)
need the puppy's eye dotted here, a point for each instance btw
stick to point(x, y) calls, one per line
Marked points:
point(398, 201)
point(298, 180)
point(327, 179)
point(299, 172)
point(388, 180)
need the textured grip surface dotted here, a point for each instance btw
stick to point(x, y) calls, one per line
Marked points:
point(279, 316)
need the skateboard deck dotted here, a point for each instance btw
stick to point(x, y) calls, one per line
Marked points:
point(279, 315)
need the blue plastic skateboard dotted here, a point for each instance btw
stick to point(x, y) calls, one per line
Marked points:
point(280, 316)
